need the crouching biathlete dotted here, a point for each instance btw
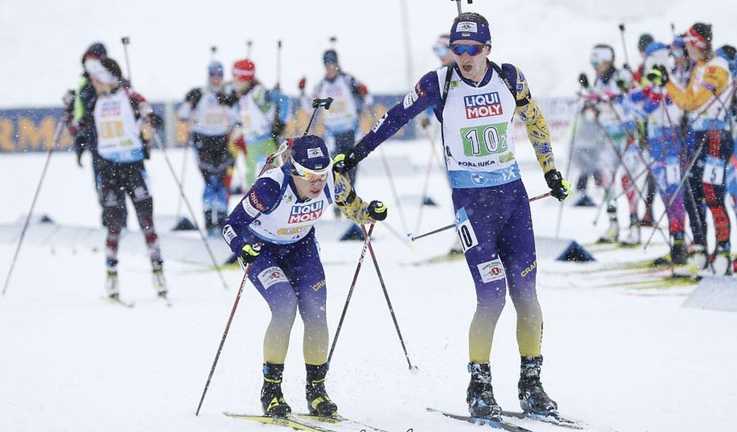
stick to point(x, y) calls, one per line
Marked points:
point(272, 229)
point(475, 101)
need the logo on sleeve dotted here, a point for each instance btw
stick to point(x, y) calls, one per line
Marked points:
point(309, 212)
point(229, 233)
point(483, 105)
point(253, 205)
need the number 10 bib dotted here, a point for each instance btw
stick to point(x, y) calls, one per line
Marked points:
point(478, 150)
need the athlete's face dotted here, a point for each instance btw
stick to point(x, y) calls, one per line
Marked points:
point(216, 81)
point(331, 70)
point(695, 52)
point(309, 187)
point(472, 64)
point(602, 67)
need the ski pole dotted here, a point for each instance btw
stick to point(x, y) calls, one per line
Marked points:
point(278, 64)
point(571, 148)
point(125, 40)
point(350, 291)
point(390, 177)
point(55, 139)
point(627, 171)
point(624, 45)
point(222, 340)
point(678, 189)
point(458, 3)
point(249, 48)
point(386, 296)
point(161, 147)
point(447, 227)
point(317, 103)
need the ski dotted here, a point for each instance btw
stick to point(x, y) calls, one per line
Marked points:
point(119, 301)
point(288, 422)
point(337, 419)
point(483, 421)
point(554, 418)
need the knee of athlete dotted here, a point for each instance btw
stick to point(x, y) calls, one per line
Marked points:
point(283, 308)
point(491, 300)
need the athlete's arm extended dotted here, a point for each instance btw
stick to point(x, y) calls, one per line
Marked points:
point(689, 99)
point(260, 199)
point(537, 129)
point(425, 94)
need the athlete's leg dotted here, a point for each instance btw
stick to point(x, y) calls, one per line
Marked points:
point(273, 285)
point(480, 215)
point(517, 251)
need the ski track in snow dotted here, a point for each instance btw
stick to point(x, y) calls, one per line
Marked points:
point(71, 362)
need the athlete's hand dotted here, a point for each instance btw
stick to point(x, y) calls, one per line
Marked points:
point(345, 162)
point(250, 252)
point(583, 80)
point(658, 75)
point(559, 188)
point(377, 210)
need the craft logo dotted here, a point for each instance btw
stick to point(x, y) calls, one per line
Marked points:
point(306, 212)
point(483, 105)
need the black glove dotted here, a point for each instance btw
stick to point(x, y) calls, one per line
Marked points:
point(250, 252)
point(658, 75)
point(559, 188)
point(377, 210)
point(583, 80)
point(156, 121)
point(193, 97)
point(622, 85)
point(345, 162)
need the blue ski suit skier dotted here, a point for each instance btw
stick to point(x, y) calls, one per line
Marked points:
point(475, 100)
point(272, 229)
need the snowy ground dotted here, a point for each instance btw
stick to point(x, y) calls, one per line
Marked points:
point(620, 358)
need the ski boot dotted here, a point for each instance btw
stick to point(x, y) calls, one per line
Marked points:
point(584, 201)
point(633, 234)
point(648, 220)
point(157, 267)
point(480, 394)
point(532, 397)
point(272, 399)
point(318, 401)
point(721, 261)
point(111, 280)
point(678, 253)
point(612, 233)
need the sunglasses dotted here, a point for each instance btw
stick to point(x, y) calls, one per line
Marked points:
point(472, 50)
point(308, 174)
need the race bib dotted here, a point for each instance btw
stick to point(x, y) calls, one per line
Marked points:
point(713, 171)
point(484, 140)
point(672, 171)
point(465, 231)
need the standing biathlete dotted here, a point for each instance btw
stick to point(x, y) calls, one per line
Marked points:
point(475, 100)
point(211, 116)
point(272, 230)
point(121, 130)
